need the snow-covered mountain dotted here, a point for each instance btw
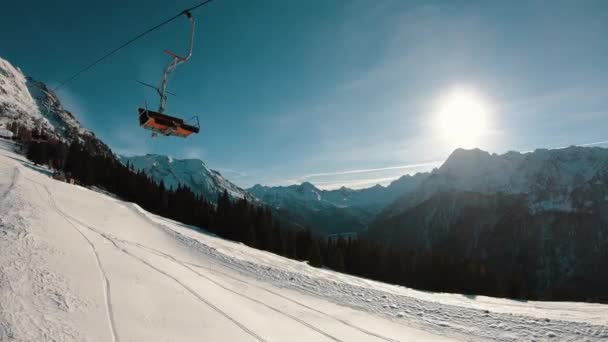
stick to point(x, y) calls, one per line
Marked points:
point(334, 211)
point(16, 102)
point(548, 178)
point(375, 197)
point(540, 217)
point(192, 173)
point(32, 104)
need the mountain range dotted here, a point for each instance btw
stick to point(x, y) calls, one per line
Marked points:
point(541, 217)
point(299, 206)
point(342, 210)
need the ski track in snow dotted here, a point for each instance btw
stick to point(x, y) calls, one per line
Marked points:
point(231, 265)
point(190, 265)
point(30, 294)
point(186, 287)
point(418, 313)
point(252, 299)
point(164, 255)
point(11, 185)
point(106, 281)
point(226, 277)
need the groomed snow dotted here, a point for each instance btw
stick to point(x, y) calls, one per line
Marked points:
point(79, 265)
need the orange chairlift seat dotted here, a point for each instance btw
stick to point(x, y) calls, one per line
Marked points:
point(157, 121)
point(165, 124)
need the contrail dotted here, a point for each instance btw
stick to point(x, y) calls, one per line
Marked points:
point(594, 143)
point(561, 147)
point(229, 170)
point(350, 172)
point(398, 167)
point(355, 183)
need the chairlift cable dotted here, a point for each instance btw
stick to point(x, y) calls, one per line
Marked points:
point(184, 12)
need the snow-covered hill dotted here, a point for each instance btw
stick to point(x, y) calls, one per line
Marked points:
point(192, 173)
point(78, 265)
point(35, 106)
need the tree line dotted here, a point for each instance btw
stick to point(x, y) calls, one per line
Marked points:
point(255, 225)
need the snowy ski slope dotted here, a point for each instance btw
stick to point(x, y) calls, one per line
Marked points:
point(79, 265)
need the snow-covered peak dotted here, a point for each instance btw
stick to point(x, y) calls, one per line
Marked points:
point(49, 106)
point(308, 190)
point(404, 183)
point(308, 186)
point(34, 105)
point(477, 170)
point(515, 172)
point(547, 177)
point(16, 102)
point(282, 196)
point(192, 173)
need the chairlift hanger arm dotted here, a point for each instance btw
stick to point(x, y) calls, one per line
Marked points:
point(155, 88)
point(175, 61)
point(189, 54)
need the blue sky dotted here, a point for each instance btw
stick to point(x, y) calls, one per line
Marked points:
point(332, 92)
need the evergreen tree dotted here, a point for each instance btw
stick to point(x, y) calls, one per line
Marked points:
point(314, 255)
point(338, 262)
point(290, 243)
point(249, 239)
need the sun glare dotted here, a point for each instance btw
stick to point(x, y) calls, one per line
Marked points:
point(462, 118)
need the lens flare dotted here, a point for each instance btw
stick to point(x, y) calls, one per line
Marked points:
point(462, 118)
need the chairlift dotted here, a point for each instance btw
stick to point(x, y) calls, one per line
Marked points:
point(158, 121)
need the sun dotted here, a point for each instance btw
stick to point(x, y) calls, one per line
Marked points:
point(462, 118)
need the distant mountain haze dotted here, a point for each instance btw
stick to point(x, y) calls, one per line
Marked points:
point(334, 211)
